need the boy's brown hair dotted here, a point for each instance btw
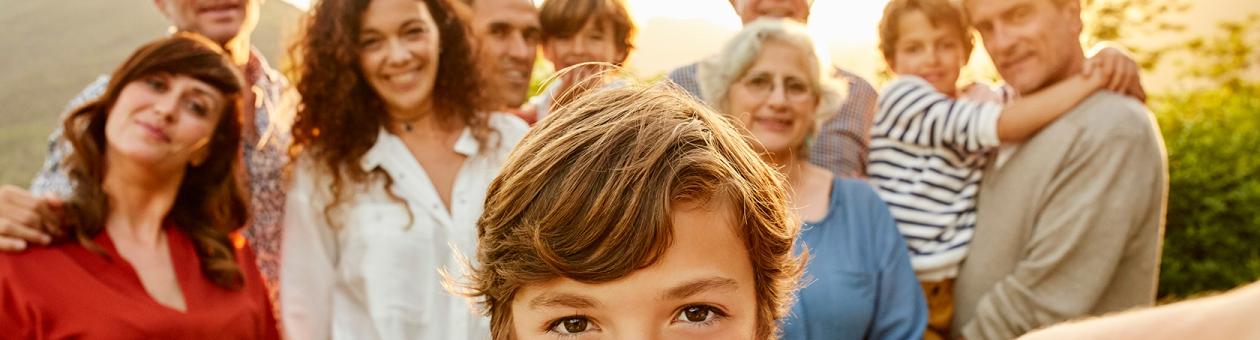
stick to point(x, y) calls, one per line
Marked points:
point(941, 14)
point(588, 195)
point(561, 19)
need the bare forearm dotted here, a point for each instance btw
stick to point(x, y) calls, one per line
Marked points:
point(1226, 316)
point(1025, 116)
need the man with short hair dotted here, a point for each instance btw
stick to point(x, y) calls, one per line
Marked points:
point(507, 34)
point(1070, 222)
point(28, 217)
point(842, 142)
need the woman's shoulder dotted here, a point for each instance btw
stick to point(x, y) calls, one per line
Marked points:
point(855, 194)
point(857, 201)
point(38, 260)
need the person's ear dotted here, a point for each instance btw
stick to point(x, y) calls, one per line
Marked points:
point(1072, 8)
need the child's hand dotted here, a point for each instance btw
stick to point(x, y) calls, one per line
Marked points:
point(981, 93)
point(1119, 71)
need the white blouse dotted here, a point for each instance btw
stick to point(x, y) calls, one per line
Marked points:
point(376, 275)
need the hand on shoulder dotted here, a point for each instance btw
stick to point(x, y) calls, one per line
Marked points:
point(26, 218)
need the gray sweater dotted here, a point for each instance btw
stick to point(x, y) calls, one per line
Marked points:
point(1070, 226)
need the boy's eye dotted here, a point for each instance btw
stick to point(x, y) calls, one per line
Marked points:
point(912, 48)
point(570, 325)
point(698, 314)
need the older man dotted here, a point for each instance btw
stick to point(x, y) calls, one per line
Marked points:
point(842, 143)
point(27, 217)
point(1070, 222)
point(507, 33)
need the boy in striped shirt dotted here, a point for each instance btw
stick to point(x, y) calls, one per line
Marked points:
point(931, 141)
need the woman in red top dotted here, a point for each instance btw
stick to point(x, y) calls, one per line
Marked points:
point(147, 251)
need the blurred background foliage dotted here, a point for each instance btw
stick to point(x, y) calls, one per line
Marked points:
point(1211, 128)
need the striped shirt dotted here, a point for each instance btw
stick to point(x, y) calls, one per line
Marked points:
point(928, 152)
point(842, 141)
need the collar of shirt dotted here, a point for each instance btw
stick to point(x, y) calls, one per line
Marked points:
point(388, 146)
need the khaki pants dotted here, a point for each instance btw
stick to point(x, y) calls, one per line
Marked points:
point(940, 301)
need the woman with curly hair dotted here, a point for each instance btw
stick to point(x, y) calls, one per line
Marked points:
point(393, 160)
point(151, 249)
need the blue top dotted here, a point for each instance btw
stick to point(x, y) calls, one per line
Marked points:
point(858, 282)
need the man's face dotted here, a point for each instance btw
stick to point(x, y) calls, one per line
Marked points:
point(751, 10)
point(507, 34)
point(1033, 43)
point(219, 20)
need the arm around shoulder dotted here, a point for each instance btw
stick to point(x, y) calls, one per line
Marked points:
point(1099, 225)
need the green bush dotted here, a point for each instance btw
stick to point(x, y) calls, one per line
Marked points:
point(1212, 240)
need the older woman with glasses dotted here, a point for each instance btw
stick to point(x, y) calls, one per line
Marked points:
point(858, 283)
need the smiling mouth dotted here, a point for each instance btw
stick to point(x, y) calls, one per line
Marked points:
point(774, 124)
point(155, 132)
point(1015, 62)
point(219, 8)
point(516, 75)
point(403, 80)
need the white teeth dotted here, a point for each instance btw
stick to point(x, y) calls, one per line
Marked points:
point(404, 78)
point(517, 75)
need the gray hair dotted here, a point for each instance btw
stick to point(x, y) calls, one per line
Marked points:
point(716, 74)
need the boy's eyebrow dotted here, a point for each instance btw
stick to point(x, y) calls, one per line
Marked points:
point(562, 300)
point(694, 287)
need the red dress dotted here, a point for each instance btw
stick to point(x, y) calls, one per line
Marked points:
point(67, 291)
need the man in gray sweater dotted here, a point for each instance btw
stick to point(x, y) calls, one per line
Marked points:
point(1070, 223)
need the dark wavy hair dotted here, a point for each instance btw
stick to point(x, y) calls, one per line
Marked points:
point(210, 204)
point(340, 114)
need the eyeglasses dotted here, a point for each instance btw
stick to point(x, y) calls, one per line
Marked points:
point(761, 86)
